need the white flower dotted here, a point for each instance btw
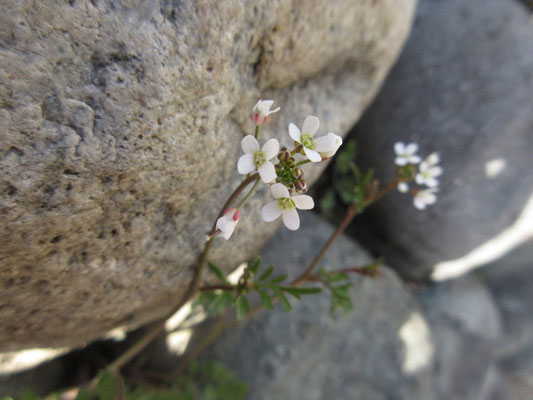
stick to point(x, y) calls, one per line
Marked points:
point(258, 159)
point(305, 138)
point(286, 206)
point(403, 187)
point(227, 223)
point(406, 154)
point(338, 143)
point(261, 111)
point(425, 198)
point(429, 171)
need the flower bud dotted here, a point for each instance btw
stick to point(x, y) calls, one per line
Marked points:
point(298, 148)
point(284, 155)
point(300, 186)
point(297, 173)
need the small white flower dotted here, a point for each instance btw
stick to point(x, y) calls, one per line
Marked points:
point(338, 143)
point(227, 223)
point(261, 111)
point(429, 171)
point(425, 198)
point(312, 146)
point(406, 154)
point(403, 187)
point(286, 205)
point(258, 159)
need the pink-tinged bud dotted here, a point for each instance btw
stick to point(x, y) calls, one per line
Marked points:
point(261, 111)
point(226, 212)
point(237, 215)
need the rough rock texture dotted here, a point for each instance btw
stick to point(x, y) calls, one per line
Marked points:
point(510, 280)
point(393, 345)
point(463, 86)
point(120, 125)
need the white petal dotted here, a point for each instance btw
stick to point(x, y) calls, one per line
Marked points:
point(279, 190)
point(267, 172)
point(291, 219)
point(227, 225)
point(419, 203)
point(436, 171)
point(403, 187)
point(294, 132)
point(433, 159)
point(399, 148)
point(431, 198)
point(411, 148)
point(311, 125)
point(432, 182)
point(325, 143)
point(312, 155)
point(419, 178)
point(249, 144)
point(271, 211)
point(265, 106)
point(414, 159)
point(246, 164)
point(274, 111)
point(271, 148)
point(303, 202)
point(400, 161)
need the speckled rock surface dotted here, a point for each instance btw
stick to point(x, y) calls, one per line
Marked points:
point(119, 132)
point(464, 87)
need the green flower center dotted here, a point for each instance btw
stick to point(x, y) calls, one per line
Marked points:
point(286, 203)
point(307, 142)
point(259, 158)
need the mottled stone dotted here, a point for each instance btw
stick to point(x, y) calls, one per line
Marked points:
point(463, 87)
point(120, 125)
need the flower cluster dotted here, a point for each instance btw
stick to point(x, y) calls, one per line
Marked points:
point(425, 173)
point(280, 168)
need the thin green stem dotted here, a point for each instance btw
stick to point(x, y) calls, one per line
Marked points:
point(303, 162)
point(250, 193)
point(257, 127)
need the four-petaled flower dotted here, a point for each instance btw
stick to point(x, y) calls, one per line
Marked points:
point(312, 146)
point(261, 111)
point(425, 198)
point(406, 154)
point(227, 223)
point(258, 159)
point(331, 152)
point(429, 171)
point(286, 205)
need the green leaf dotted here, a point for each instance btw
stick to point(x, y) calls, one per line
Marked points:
point(265, 275)
point(242, 307)
point(266, 298)
point(27, 394)
point(107, 386)
point(217, 272)
point(336, 276)
point(278, 279)
point(327, 203)
point(254, 266)
point(300, 290)
point(284, 302)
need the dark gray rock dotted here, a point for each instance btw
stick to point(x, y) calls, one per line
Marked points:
point(464, 87)
point(120, 125)
point(380, 350)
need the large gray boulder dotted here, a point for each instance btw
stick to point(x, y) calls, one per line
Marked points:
point(464, 87)
point(435, 343)
point(120, 125)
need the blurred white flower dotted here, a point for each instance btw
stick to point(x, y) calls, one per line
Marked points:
point(286, 205)
point(338, 143)
point(406, 154)
point(429, 171)
point(312, 146)
point(258, 159)
point(403, 187)
point(227, 223)
point(425, 198)
point(261, 111)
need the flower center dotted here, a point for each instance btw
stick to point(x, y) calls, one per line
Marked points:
point(307, 142)
point(286, 203)
point(259, 158)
